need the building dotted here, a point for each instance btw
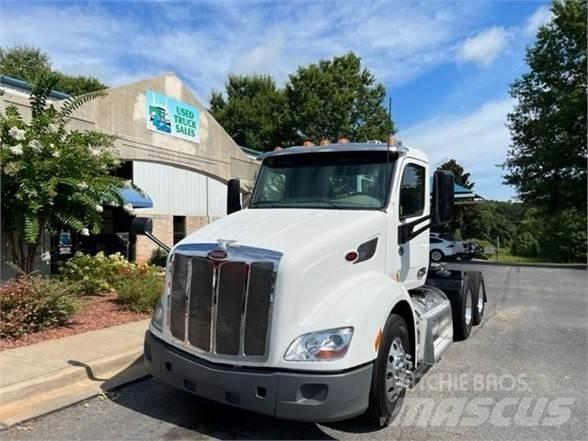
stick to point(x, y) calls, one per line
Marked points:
point(171, 147)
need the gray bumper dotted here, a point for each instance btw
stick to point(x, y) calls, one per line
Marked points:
point(282, 394)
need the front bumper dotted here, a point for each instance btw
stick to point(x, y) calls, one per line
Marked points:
point(301, 396)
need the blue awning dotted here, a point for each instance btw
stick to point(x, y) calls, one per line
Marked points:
point(136, 199)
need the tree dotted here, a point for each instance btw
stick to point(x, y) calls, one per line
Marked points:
point(52, 177)
point(31, 65)
point(547, 160)
point(336, 98)
point(461, 177)
point(253, 111)
point(467, 218)
point(24, 63)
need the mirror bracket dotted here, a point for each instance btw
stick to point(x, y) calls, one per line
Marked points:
point(406, 231)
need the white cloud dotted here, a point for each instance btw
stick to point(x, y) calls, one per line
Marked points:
point(478, 141)
point(203, 42)
point(484, 47)
point(541, 16)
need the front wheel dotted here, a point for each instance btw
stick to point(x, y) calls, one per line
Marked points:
point(437, 255)
point(391, 373)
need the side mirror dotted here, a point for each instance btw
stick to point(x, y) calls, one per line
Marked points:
point(143, 226)
point(233, 196)
point(443, 197)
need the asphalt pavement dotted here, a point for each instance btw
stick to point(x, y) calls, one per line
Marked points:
point(521, 375)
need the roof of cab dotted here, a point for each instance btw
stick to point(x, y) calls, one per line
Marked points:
point(397, 147)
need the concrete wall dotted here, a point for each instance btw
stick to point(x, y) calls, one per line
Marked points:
point(122, 112)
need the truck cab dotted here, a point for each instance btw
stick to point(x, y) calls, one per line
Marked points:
point(315, 302)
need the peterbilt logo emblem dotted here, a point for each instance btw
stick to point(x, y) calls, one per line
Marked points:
point(220, 252)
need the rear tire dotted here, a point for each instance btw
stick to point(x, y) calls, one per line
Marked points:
point(437, 255)
point(480, 303)
point(463, 313)
point(386, 401)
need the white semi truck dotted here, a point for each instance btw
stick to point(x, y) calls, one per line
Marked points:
point(316, 302)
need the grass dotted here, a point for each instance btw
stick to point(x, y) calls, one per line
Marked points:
point(505, 256)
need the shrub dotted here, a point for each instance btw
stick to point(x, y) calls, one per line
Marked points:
point(94, 274)
point(158, 257)
point(140, 287)
point(32, 303)
point(525, 245)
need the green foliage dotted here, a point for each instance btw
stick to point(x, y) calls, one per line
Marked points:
point(526, 245)
point(95, 274)
point(534, 233)
point(24, 63)
point(138, 286)
point(140, 289)
point(547, 161)
point(30, 64)
point(326, 100)
point(336, 98)
point(158, 257)
point(466, 221)
point(32, 303)
point(78, 84)
point(564, 236)
point(253, 112)
point(53, 177)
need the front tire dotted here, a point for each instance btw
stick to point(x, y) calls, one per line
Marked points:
point(437, 255)
point(386, 397)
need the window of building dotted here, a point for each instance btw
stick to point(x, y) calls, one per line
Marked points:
point(179, 228)
point(412, 191)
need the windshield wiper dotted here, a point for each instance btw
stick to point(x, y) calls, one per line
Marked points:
point(323, 201)
point(264, 203)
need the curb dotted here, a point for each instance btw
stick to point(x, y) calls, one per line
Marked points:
point(41, 395)
point(575, 266)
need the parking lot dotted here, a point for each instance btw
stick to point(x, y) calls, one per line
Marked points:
point(520, 375)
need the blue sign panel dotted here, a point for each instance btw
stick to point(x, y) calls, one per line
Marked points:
point(172, 117)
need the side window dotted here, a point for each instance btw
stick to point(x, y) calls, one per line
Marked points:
point(412, 191)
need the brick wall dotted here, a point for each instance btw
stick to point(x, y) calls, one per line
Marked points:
point(163, 229)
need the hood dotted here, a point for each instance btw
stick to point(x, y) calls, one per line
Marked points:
point(291, 230)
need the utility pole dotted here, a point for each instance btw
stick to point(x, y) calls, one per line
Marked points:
point(497, 248)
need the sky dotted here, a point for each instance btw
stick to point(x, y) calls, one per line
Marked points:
point(447, 65)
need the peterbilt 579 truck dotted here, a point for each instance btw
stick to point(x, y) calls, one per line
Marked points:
point(316, 301)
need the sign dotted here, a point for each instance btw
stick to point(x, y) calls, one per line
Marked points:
point(172, 117)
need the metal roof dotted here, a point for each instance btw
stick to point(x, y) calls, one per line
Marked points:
point(20, 84)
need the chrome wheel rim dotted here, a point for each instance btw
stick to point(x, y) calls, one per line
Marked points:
point(468, 308)
point(480, 302)
point(436, 256)
point(395, 368)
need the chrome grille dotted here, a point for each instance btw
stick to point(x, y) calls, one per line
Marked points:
point(222, 307)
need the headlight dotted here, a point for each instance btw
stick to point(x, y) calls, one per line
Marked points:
point(328, 345)
point(157, 319)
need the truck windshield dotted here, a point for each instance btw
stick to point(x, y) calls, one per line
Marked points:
point(341, 180)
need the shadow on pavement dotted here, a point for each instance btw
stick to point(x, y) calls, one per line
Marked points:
point(190, 415)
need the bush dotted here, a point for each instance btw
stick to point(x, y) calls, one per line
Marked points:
point(140, 287)
point(32, 303)
point(94, 274)
point(525, 245)
point(158, 257)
